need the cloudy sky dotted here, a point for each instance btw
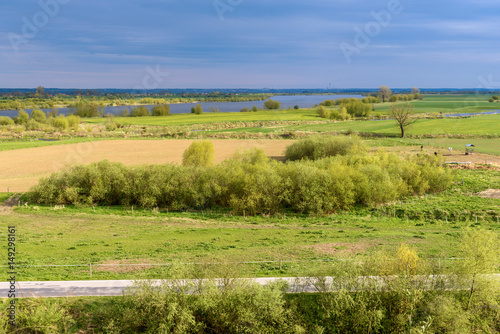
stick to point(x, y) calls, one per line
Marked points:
point(249, 43)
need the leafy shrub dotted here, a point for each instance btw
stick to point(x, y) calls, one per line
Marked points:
point(60, 123)
point(22, 117)
point(5, 120)
point(73, 122)
point(271, 104)
point(140, 111)
point(317, 147)
point(323, 112)
point(199, 153)
point(87, 109)
point(34, 125)
point(38, 116)
point(161, 110)
point(198, 109)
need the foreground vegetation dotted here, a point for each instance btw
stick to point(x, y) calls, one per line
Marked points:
point(465, 300)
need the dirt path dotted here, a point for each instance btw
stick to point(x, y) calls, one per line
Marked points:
point(6, 207)
point(455, 156)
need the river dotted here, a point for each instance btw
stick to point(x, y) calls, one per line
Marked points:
point(303, 101)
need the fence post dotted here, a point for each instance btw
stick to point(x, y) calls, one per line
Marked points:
point(280, 264)
point(90, 268)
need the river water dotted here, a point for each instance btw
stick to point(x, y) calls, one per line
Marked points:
point(303, 101)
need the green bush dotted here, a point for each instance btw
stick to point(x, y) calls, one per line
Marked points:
point(161, 110)
point(5, 120)
point(323, 112)
point(271, 104)
point(73, 122)
point(199, 153)
point(318, 147)
point(140, 111)
point(22, 117)
point(198, 109)
point(60, 123)
point(38, 116)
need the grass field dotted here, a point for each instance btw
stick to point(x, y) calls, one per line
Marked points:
point(483, 125)
point(447, 104)
point(112, 236)
point(18, 145)
point(209, 117)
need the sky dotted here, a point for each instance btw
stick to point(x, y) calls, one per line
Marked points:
point(279, 44)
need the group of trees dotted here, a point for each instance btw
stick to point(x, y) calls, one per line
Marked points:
point(347, 108)
point(38, 120)
point(385, 94)
point(494, 98)
point(250, 183)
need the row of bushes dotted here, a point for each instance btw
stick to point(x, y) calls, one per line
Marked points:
point(348, 107)
point(249, 183)
point(38, 120)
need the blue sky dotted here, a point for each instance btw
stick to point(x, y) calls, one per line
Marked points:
point(249, 43)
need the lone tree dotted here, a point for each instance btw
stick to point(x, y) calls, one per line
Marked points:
point(415, 90)
point(402, 114)
point(271, 104)
point(384, 92)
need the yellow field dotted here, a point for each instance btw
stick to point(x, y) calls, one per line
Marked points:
point(21, 169)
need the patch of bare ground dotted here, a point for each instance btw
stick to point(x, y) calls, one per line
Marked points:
point(7, 207)
point(341, 248)
point(123, 266)
point(490, 193)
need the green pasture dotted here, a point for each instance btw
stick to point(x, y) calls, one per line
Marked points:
point(446, 104)
point(483, 125)
point(21, 144)
point(221, 117)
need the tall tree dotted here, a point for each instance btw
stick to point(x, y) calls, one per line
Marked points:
point(384, 92)
point(402, 114)
point(415, 90)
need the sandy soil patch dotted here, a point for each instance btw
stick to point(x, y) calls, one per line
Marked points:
point(21, 169)
point(490, 193)
point(123, 266)
point(337, 248)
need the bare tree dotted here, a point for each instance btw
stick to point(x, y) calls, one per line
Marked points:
point(385, 93)
point(415, 90)
point(402, 113)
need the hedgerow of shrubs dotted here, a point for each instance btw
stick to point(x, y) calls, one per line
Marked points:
point(250, 183)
